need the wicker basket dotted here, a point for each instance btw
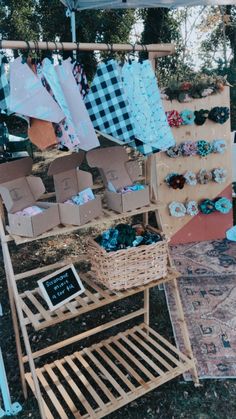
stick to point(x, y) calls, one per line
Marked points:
point(131, 267)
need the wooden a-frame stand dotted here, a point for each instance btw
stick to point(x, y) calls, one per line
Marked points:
point(95, 381)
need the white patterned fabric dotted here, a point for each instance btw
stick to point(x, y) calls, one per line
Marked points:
point(147, 114)
point(28, 97)
point(79, 114)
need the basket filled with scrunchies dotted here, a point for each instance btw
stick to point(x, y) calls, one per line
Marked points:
point(128, 256)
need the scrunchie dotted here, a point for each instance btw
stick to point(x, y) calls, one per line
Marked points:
point(219, 146)
point(204, 148)
point(176, 181)
point(219, 175)
point(192, 208)
point(190, 178)
point(174, 119)
point(177, 209)
point(201, 116)
point(189, 148)
point(204, 176)
point(223, 205)
point(219, 114)
point(187, 117)
point(207, 206)
point(174, 151)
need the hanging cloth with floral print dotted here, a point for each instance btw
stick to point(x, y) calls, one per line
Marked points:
point(80, 78)
point(79, 114)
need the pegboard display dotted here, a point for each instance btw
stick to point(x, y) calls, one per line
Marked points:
point(201, 226)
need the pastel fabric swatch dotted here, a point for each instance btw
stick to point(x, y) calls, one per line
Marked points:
point(149, 120)
point(66, 131)
point(4, 87)
point(28, 97)
point(79, 114)
point(107, 105)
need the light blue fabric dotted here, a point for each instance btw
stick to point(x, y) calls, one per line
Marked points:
point(147, 113)
point(50, 75)
point(231, 234)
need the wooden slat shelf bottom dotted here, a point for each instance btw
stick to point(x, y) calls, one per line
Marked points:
point(37, 313)
point(98, 380)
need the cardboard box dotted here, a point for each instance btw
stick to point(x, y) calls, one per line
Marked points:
point(69, 181)
point(117, 172)
point(19, 191)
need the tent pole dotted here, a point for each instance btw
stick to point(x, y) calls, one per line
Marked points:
point(73, 28)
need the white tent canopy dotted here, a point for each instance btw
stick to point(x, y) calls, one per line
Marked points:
point(121, 4)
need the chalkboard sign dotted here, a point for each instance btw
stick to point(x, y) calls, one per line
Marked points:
point(61, 286)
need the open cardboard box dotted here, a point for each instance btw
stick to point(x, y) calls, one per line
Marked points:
point(69, 181)
point(117, 171)
point(19, 191)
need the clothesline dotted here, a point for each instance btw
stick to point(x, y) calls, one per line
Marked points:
point(159, 49)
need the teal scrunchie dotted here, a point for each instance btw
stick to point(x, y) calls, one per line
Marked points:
point(207, 206)
point(223, 205)
point(204, 148)
point(187, 116)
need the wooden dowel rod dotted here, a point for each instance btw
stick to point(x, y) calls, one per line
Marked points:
point(42, 45)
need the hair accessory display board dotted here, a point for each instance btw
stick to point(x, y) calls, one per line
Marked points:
point(199, 227)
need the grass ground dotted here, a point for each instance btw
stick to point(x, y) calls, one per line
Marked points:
point(215, 399)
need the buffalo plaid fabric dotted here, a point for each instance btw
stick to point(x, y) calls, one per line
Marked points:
point(4, 87)
point(106, 104)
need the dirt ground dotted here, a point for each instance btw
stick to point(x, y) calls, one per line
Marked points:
point(215, 399)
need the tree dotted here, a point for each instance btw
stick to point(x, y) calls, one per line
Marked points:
point(219, 48)
point(163, 25)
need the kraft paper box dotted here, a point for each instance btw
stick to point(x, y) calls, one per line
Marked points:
point(69, 181)
point(118, 171)
point(19, 191)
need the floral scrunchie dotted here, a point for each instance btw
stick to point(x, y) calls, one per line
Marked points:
point(177, 209)
point(204, 176)
point(219, 146)
point(204, 148)
point(187, 117)
point(174, 151)
point(189, 148)
point(190, 178)
point(219, 114)
point(174, 119)
point(219, 175)
point(192, 208)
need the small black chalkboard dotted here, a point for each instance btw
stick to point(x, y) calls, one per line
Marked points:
point(61, 286)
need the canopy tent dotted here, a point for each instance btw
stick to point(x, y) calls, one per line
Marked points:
point(77, 5)
point(121, 4)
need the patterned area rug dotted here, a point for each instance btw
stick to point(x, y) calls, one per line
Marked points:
point(208, 292)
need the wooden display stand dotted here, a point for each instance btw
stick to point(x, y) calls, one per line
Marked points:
point(200, 227)
point(95, 381)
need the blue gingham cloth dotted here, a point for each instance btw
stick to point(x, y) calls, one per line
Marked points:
point(107, 105)
point(4, 87)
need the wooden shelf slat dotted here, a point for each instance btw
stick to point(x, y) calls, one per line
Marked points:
point(39, 315)
point(108, 216)
point(100, 383)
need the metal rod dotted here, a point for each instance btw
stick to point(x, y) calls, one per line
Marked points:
point(163, 49)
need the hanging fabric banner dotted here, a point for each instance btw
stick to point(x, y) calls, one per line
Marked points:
point(28, 97)
point(83, 125)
